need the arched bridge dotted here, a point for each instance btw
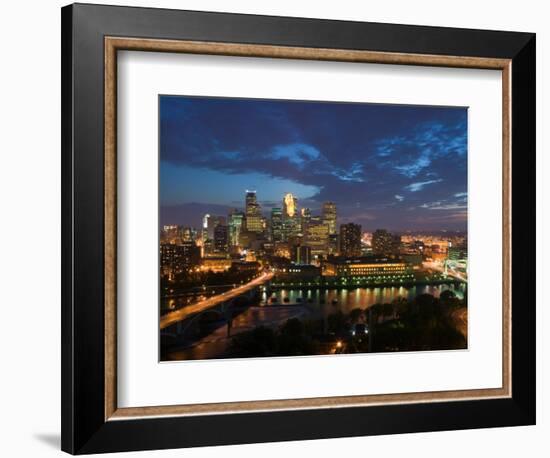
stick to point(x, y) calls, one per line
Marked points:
point(219, 303)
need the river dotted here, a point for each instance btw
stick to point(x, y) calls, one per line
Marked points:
point(303, 304)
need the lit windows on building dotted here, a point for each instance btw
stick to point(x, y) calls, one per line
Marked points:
point(365, 267)
point(218, 264)
point(329, 216)
point(350, 239)
point(385, 244)
point(317, 237)
point(277, 224)
point(175, 259)
point(236, 221)
point(301, 254)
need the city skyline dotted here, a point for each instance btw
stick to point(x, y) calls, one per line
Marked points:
point(294, 228)
point(407, 174)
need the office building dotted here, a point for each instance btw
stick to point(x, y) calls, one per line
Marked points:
point(329, 216)
point(385, 244)
point(350, 240)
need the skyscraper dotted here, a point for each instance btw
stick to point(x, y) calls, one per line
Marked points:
point(329, 216)
point(291, 222)
point(236, 220)
point(290, 205)
point(251, 204)
point(350, 240)
point(209, 222)
point(301, 254)
point(384, 243)
point(253, 213)
point(221, 239)
point(317, 237)
point(305, 216)
point(277, 224)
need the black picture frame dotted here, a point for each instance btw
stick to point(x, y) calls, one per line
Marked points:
point(84, 428)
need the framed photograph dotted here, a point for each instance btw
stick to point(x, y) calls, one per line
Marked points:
point(281, 228)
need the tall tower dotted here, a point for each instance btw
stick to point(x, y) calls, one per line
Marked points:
point(253, 213)
point(251, 204)
point(277, 224)
point(291, 226)
point(290, 205)
point(350, 239)
point(329, 216)
point(236, 219)
point(305, 218)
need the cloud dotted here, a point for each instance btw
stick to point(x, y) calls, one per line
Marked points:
point(361, 153)
point(414, 153)
point(415, 187)
point(444, 205)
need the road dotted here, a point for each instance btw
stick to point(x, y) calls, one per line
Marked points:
point(216, 344)
point(183, 313)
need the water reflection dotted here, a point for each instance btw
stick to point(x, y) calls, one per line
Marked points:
point(350, 298)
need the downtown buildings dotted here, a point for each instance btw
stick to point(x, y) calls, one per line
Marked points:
point(284, 233)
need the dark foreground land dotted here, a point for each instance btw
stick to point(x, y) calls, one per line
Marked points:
point(422, 324)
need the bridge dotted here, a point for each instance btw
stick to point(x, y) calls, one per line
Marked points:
point(178, 316)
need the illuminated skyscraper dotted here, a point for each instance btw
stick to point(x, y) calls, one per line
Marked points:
point(253, 213)
point(317, 237)
point(350, 240)
point(291, 221)
point(290, 205)
point(329, 216)
point(277, 224)
point(236, 220)
point(251, 204)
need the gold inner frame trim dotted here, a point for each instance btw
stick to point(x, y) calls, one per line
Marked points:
point(114, 44)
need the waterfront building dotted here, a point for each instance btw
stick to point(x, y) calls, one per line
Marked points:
point(350, 239)
point(293, 274)
point(383, 269)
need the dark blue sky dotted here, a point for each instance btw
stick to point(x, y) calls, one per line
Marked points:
point(386, 166)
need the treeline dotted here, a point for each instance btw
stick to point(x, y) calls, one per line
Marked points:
point(425, 323)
